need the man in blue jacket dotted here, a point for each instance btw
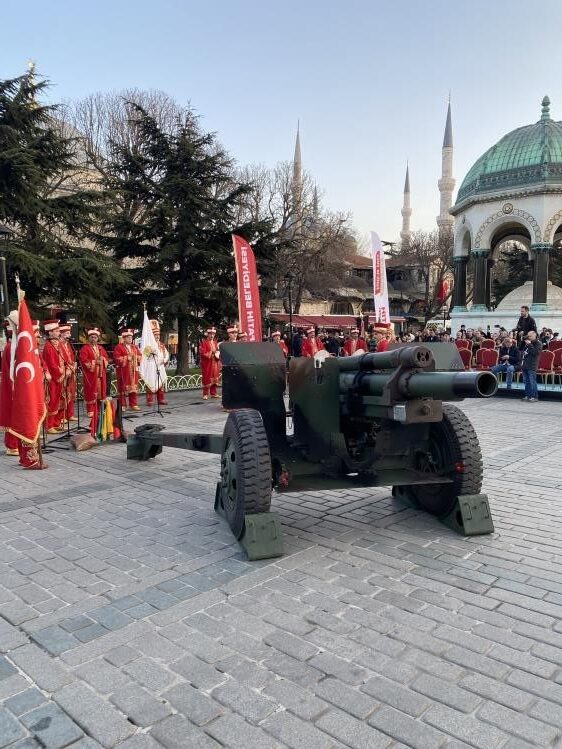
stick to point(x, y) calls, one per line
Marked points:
point(508, 360)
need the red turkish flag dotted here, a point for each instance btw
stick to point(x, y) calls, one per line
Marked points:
point(28, 402)
point(443, 291)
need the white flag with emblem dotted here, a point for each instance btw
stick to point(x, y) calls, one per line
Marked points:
point(149, 363)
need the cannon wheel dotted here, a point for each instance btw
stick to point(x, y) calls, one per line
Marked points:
point(455, 451)
point(246, 480)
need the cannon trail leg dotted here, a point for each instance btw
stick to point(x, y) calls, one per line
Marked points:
point(244, 491)
point(454, 451)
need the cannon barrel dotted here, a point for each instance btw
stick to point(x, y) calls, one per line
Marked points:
point(419, 357)
point(437, 385)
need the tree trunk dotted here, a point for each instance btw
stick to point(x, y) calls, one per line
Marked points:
point(183, 344)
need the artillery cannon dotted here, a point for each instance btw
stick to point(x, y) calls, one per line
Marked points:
point(376, 419)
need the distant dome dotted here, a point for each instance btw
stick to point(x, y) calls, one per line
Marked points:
point(530, 155)
point(524, 295)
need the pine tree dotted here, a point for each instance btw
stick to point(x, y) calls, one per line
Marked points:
point(48, 201)
point(176, 204)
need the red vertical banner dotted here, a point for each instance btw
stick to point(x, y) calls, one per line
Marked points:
point(249, 310)
point(380, 288)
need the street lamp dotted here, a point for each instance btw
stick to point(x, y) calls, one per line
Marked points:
point(5, 234)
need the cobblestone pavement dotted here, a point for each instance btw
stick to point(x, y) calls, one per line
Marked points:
point(129, 617)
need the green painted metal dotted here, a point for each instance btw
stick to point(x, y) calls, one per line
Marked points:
point(471, 515)
point(525, 156)
point(149, 439)
point(263, 536)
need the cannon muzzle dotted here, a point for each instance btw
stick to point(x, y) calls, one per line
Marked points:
point(437, 385)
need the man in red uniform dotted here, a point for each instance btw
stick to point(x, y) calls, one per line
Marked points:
point(94, 361)
point(382, 334)
point(162, 358)
point(311, 345)
point(70, 385)
point(127, 358)
point(209, 353)
point(7, 385)
point(54, 364)
point(276, 338)
point(354, 344)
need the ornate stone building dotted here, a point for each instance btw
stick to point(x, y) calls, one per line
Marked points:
point(513, 193)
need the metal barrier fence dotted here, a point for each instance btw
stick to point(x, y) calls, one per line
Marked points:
point(174, 383)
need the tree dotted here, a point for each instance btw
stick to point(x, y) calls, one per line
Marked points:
point(431, 254)
point(513, 268)
point(50, 202)
point(176, 242)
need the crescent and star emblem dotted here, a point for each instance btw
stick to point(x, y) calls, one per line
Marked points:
point(26, 365)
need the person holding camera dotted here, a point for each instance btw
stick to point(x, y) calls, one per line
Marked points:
point(530, 364)
point(525, 324)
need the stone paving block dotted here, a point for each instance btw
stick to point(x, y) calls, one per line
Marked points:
point(51, 726)
point(10, 637)
point(139, 705)
point(10, 728)
point(523, 726)
point(25, 701)
point(464, 727)
point(290, 645)
point(411, 732)
point(193, 703)
point(395, 695)
point(55, 640)
point(176, 732)
point(299, 701)
point(293, 670)
point(6, 668)
point(247, 702)
point(47, 673)
point(110, 617)
point(30, 743)
point(345, 698)
point(86, 634)
point(446, 693)
point(497, 691)
point(95, 716)
point(121, 655)
point(340, 668)
point(196, 671)
point(547, 712)
point(296, 733)
point(231, 730)
point(523, 661)
point(245, 671)
point(102, 676)
point(352, 732)
point(76, 622)
point(148, 673)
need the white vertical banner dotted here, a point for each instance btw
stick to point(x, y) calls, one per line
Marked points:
point(380, 288)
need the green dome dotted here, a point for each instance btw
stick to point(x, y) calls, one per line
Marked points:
point(530, 155)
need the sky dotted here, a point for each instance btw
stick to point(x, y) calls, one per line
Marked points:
point(369, 80)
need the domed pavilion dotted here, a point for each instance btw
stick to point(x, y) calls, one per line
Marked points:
point(513, 193)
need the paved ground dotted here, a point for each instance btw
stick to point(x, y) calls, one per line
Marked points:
point(128, 616)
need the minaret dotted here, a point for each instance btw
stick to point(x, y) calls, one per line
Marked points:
point(446, 184)
point(406, 233)
point(296, 187)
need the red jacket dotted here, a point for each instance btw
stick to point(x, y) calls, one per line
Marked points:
point(351, 346)
point(311, 346)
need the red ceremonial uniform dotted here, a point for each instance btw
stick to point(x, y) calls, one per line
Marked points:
point(311, 346)
point(383, 344)
point(94, 361)
point(210, 367)
point(54, 364)
point(284, 348)
point(6, 394)
point(70, 384)
point(352, 345)
point(127, 358)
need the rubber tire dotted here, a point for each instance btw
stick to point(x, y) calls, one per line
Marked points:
point(458, 443)
point(245, 439)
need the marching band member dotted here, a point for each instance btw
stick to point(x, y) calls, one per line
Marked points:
point(94, 361)
point(354, 343)
point(210, 368)
point(7, 384)
point(311, 345)
point(127, 358)
point(54, 364)
point(276, 338)
point(162, 358)
point(70, 372)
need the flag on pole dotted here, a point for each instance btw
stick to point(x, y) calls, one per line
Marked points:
point(380, 288)
point(149, 363)
point(443, 292)
point(28, 401)
point(249, 309)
